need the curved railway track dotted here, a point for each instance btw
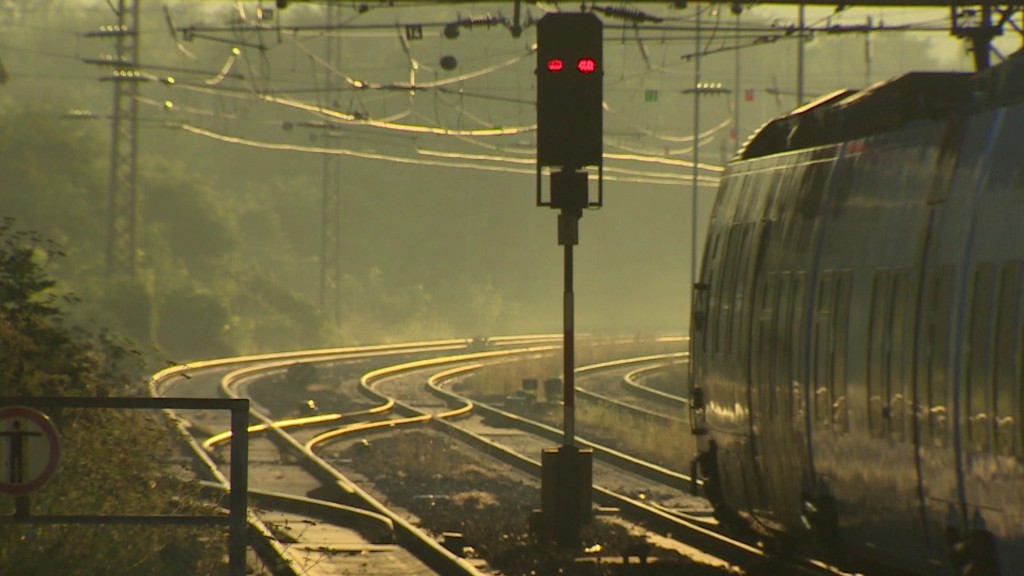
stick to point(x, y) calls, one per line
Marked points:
point(291, 457)
point(297, 534)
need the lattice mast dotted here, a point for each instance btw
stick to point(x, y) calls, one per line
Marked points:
point(122, 196)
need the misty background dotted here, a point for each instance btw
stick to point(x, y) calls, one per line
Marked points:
point(440, 233)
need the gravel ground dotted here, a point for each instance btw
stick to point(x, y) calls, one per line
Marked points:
point(447, 489)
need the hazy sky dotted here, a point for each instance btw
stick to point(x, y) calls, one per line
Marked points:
point(950, 50)
point(634, 254)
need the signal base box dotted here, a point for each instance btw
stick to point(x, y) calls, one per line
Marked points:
point(570, 70)
point(566, 478)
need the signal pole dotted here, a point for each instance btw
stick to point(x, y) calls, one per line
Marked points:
point(696, 149)
point(569, 133)
point(800, 56)
point(330, 204)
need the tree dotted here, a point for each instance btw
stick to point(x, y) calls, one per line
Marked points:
point(112, 461)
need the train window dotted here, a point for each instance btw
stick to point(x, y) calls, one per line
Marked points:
point(763, 340)
point(715, 301)
point(751, 204)
point(898, 355)
point(840, 328)
point(751, 318)
point(706, 302)
point(812, 188)
point(1006, 395)
point(718, 208)
point(979, 356)
point(797, 404)
point(945, 162)
point(787, 196)
point(936, 340)
point(771, 201)
point(726, 288)
point(1017, 181)
point(1007, 174)
point(781, 318)
point(701, 288)
point(904, 163)
point(867, 179)
point(842, 184)
point(821, 371)
point(738, 335)
point(878, 396)
point(713, 291)
point(1020, 388)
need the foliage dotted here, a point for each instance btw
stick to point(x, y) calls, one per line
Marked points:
point(194, 293)
point(398, 311)
point(52, 181)
point(112, 461)
point(271, 317)
point(185, 218)
point(221, 269)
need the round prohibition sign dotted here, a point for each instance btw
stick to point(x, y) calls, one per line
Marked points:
point(28, 450)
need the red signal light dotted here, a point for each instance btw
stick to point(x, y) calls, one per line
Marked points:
point(586, 65)
point(555, 65)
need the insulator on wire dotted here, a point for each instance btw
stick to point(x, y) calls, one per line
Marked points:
point(628, 14)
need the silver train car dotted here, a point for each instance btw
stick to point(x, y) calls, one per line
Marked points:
point(857, 333)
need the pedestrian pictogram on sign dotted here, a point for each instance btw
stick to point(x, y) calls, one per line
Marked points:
point(28, 450)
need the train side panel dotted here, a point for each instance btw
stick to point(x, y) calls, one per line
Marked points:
point(725, 392)
point(861, 342)
point(987, 359)
point(859, 339)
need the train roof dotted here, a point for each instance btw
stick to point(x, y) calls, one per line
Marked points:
point(850, 115)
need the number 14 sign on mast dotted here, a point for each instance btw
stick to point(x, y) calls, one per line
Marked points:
point(29, 449)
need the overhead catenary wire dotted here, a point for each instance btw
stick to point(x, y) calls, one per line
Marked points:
point(636, 155)
point(270, 89)
point(469, 133)
point(610, 172)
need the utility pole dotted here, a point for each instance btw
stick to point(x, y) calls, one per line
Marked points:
point(697, 84)
point(867, 52)
point(737, 10)
point(976, 26)
point(122, 195)
point(800, 57)
point(330, 210)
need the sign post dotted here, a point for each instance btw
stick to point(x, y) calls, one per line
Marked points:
point(28, 458)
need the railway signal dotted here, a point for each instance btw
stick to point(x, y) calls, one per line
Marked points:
point(569, 130)
point(569, 89)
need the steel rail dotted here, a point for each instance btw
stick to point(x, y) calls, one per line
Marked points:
point(601, 398)
point(698, 533)
point(631, 382)
point(260, 365)
point(409, 536)
point(266, 545)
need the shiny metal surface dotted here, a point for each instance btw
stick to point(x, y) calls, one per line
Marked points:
point(858, 337)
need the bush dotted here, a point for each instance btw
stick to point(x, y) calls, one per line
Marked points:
point(112, 461)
